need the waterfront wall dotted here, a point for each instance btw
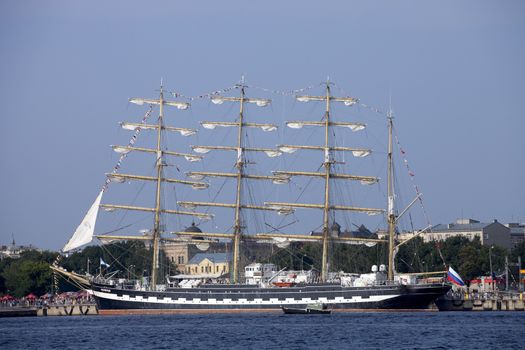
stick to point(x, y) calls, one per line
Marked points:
point(68, 310)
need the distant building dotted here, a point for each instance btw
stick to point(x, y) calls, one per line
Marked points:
point(13, 251)
point(180, 253)
point(489, 234)
point(484, 284)
point(517, 233)
point(216, 264)
point(335, 231)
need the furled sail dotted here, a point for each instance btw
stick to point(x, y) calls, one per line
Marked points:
point(361, 153)
point(186, 132)
point(213, 125)
point(202, 150)
point(120, 149)
point(286, 149)
point(191, 158)
point(84, 232)
point(268, 128)
point(134, 126)
point(273, 154)
point(142, 101)
point(351, 126)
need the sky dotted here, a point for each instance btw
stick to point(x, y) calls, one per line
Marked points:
point(451, 71)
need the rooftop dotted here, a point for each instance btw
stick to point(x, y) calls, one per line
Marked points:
point(463, 225)
point(213, 257)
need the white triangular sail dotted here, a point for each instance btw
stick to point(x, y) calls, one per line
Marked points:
point(84, 232)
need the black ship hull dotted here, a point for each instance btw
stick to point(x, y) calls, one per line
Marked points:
point(249, 298)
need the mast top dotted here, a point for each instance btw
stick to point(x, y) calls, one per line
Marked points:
point(241, 83)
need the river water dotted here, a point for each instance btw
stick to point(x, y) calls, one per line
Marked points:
point(389, 330)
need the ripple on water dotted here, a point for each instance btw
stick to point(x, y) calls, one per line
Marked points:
point(468, 330)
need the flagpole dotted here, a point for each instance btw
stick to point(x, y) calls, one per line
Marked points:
point(490, 262)
point(520, 286)
point(506, 273)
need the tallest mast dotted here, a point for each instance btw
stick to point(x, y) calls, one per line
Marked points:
point(239, 175)
point(160, 164)
point(237, 228)
point(391, 215)
point(327, 166)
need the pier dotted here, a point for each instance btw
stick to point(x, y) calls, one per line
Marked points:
point(82, 309)
point(476, 302)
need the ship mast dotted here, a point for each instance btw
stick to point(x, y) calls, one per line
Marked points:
point(237, 229)
point(390, 208)
point(160, 164)
point(327, 166)
point(159, 179)
point(239, 175)
point(327, 175)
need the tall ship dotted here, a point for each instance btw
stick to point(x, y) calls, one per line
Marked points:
point(249, 285)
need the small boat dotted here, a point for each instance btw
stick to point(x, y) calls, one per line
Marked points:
point(310, 309)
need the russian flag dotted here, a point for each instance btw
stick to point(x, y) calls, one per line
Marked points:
point(453, 277)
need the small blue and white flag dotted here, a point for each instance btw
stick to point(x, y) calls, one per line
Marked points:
point(103, 263)
point(453, 277)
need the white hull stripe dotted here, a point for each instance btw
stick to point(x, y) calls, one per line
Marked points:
point(272, 301)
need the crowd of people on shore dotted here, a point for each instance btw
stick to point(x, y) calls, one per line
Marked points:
point(31, 300)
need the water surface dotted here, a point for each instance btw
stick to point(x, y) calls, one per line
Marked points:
point(413, 330)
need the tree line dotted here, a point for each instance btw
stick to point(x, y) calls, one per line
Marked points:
point(31, 273)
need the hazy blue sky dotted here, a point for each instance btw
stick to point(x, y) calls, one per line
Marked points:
point(454, 70)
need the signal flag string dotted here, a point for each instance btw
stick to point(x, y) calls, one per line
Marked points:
point(130, 144)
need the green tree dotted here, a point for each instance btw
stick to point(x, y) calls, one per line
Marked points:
point(26, 276)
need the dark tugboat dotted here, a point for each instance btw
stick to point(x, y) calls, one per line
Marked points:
point(309, 309)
